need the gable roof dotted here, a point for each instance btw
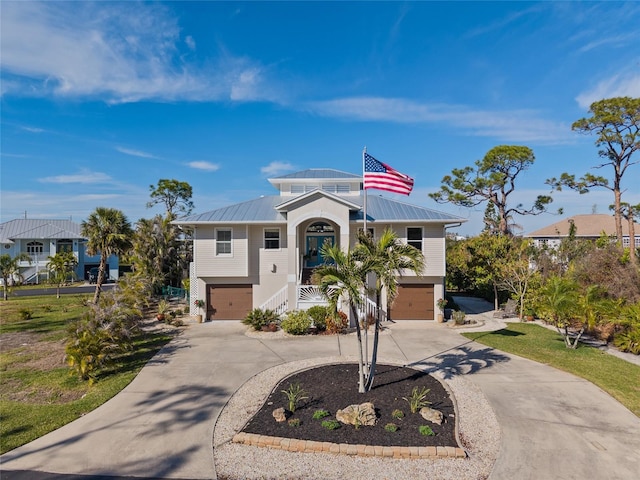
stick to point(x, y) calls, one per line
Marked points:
point(290, 204)
point(586, 226)
point(264, 210)
point(318, 173)
point(33, 228)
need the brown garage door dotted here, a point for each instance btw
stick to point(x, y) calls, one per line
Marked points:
point(414, 302)
point(229, 302)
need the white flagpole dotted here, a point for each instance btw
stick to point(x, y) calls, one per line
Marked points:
point(365, 193)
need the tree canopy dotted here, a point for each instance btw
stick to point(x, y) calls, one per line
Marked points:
point(174, 195)
point(492, 180)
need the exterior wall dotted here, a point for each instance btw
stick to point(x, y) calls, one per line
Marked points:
point(211, 265)
point(268, 265)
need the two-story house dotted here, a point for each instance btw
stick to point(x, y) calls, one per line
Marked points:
point(260, 253)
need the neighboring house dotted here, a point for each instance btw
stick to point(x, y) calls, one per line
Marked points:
point(261, 253)
point(588, 227)
point(41, 239)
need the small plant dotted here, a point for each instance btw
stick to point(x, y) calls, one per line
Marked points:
point(163, 307)
point(458, 317)
point(319, 314)
point(318, 414)
point(179, 312)
point(47, 308)
point(199, 303)
point(258, 318)
point(442, 304)
point(391, 427)
point(397, 414)
point(331, 424)
point(25, 314)
point(296, 322)
point(295, 394)
point(418, 398)
point(426, 431)
point(337, 322)
point(294, 422)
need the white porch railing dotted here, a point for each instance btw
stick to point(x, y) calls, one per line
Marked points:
point(310, 295)
point(279, 302)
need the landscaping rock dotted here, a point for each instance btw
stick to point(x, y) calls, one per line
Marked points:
point(363, 414)
point(280, 414)
point(432, 415)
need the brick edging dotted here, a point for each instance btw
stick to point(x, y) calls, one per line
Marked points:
point(295, 445)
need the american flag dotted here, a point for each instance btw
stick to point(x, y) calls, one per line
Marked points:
point(382, 177)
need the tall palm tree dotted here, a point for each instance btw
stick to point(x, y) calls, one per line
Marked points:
point(109, 233)
point(61, 266)
point(343, 276)
point(390, 259)
point(557, 302)
point(9, 268)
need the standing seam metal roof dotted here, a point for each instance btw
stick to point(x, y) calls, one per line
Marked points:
point(32, 228)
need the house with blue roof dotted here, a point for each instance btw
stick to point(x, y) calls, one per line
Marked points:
point(260, 253)
point(43, 238)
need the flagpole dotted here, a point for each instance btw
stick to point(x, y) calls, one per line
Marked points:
point(365, 193)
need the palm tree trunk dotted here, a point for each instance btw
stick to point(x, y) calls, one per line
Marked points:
point(374, 353)
point(361, 386)
point(100, 279)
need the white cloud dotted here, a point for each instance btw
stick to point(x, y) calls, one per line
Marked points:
point(82, 177)
point(206, 166)
point(135, 153)
point(32, 129)
point(619, 85)
point(117, 51)
point(510, 125)
point(276, 168)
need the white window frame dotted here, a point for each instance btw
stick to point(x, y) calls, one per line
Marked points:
point(265, 239)
point(220, 242)
point(410, 241)
point(35, 247)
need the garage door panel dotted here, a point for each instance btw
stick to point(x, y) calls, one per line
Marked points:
point(414, 302)
point(229, 302)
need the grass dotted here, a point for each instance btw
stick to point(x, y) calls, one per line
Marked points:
point(615, 376)
point(38, 393)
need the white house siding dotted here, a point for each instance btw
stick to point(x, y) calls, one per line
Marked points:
point(212, 265)
point(269, 266)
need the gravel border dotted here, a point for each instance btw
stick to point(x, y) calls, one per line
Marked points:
point(478, 430)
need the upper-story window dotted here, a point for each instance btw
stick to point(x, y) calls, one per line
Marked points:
point(300, 188)
point(35, 247)
point(414, 237)
point(223, 241)
point(272, 238)
point(64, 246)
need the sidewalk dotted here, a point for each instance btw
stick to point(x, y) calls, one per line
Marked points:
point(554, 425)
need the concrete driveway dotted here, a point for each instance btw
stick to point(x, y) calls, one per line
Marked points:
point(554, 425)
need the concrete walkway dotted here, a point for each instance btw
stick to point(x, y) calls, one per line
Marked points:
point(554, 425)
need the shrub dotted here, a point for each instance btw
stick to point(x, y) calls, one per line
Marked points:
point(318, 414)
point(628, 341)
point(258, 318)
point(397, 414)
point(295, 394)
point(418, 398)
point(296, 323)
point(47, 308)
point(426, 431)
point(319, 314)
point(331, 424)
point(458, 317)
point(337, 322)
point(25, 314)
point(179, 312)
point(391, 427)
point(294, 422)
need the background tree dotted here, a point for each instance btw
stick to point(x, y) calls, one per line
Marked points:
point(492, 180)
point(616, 122)
point(109, 233)
point(390, 258)
point(9, 268)
point(487, 254)
point(630, 213)
point(174, 195)
point(61, 266)
point(516, 271)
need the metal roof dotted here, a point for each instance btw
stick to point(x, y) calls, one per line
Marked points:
point(32, 228)
point(317, 173)
point(586, 226)
point(379, 209)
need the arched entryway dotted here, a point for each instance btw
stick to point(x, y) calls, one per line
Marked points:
point(317, 234)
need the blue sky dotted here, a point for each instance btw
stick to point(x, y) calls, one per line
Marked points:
point(101, 100)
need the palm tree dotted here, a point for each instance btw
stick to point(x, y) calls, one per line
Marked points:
point(61, 266)
point(9, 268)
point(390, 258)
point(343, 276)
point(557, 302)
point(109, 233)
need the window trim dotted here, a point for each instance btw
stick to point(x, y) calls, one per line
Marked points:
point(219, 242)
point(39, 247)
point(409, 241)
point(264, 238)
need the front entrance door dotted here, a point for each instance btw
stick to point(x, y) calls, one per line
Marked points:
point(314, 244)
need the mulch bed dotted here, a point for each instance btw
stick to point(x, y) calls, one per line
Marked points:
point(334, 387)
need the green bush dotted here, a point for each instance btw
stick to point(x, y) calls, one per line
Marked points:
point(296, 322)
point(458, 317)
point(331, 424)
point(426, 430)
point(318, 414)
point(397, 414)
point(319, 314)
point(391, 427)
point(628, 341)
point(258, 318)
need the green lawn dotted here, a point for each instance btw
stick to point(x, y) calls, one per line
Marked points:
point(617, 377)
point(38, 393)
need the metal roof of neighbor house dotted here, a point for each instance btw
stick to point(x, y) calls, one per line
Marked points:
point(586, 226)
point(317, 173)
point(263, 209)
point(31, 228)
